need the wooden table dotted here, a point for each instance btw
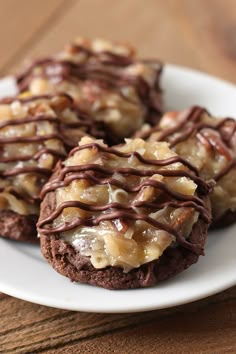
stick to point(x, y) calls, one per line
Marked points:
point(199, 34)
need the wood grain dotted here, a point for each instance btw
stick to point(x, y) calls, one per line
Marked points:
point(150, 32)
point(35, 328)
point(209, 27)
point(200, 331)
point(199, 34)
point(21, 22)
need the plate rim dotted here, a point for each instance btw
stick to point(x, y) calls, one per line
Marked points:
point(145, 308)
point(60, 304)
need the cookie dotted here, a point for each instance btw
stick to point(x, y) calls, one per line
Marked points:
point(35, 132)
point(18, 227)
point(123, 217)
point(105, 79)
point(209, 144)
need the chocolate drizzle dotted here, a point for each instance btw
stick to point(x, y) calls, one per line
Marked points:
point(85, 121)
point(35, 156)
point(190, 125)
point(9, 100)
point(105, 70)
point(225, 170)
point(104, 57)
point(14, 165)
point(95, 174)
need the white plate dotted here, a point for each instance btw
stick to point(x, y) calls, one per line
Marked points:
point(24, 273)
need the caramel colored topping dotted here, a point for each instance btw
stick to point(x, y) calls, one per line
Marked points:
point(105, 80)
point(112, 200)
point(207, 143)
point(35, 132)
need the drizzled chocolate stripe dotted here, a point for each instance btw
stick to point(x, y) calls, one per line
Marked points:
point(105, 57)
point(118, 215)
point(198, 127)
point(38, 139)
point(28, 119)
point(64, 176)
point(105, 78)
point(115, 205)
point(95, 128)
point(190, 115)
point(193, 115)
point(146, 183)
point(84, 120)
point(101, 71)
point(118, 153)
point(99, 181)
point(40, 118)
point(35, 157)
point(26, 72)
point(113, 59)
point(32, 98)
point(225, 170)
point(19, 195)
point(68, 68)
point(26, 169)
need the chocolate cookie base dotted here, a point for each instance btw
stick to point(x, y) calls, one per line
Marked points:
point(227, 219)
point(18, 227)
point(68, 262)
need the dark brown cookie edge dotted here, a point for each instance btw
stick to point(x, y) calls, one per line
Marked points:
point(227, 219)
point(18, 227)
point(68, 262)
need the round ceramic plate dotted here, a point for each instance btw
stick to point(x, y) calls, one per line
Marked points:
point(25, 274)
